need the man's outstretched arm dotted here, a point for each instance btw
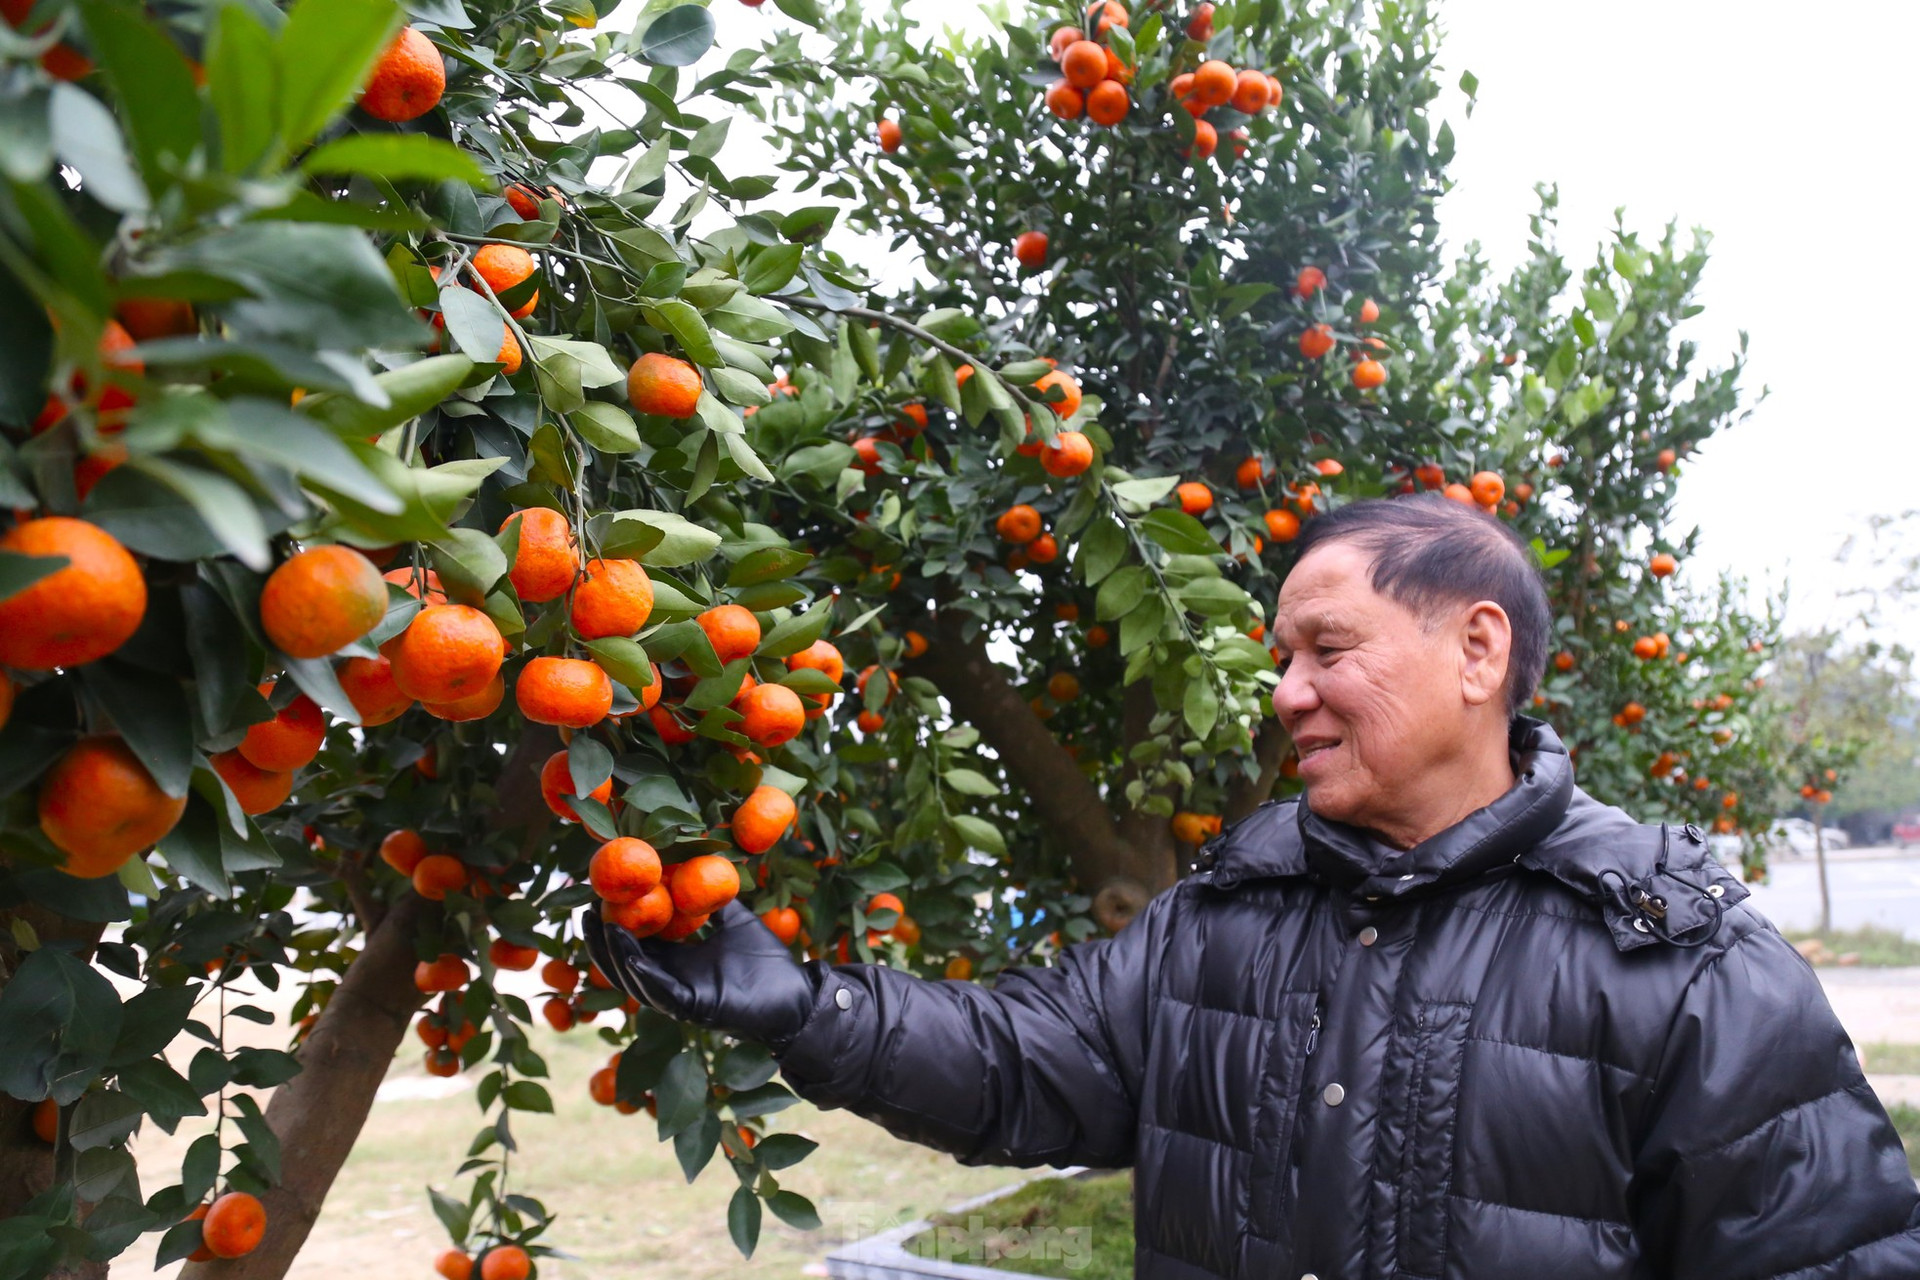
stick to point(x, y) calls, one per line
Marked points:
point(1043, 1069)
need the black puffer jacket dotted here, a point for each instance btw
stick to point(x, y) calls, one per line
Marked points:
point(1492, 1058)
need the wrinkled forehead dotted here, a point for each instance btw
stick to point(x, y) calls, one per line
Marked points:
point(1331, 590)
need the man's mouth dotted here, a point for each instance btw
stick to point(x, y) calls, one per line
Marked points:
point(1311, 747)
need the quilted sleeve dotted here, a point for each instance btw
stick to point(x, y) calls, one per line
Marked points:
point(1767, 1154)
point(1045, 1068)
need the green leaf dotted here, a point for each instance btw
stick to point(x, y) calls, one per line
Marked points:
point(18, 571)
point(243, 84)
point(597, 367)
point(677, 38)
point(606, 427)
point(1179, 532)
point(160, 1091)
point(396, 157)
point(104, 1116)
point(683, 321)
point(1201, 707)
point(318, 285)
point(272, 432)
point(969, 782)
point(743, 1218)
point(411, 390)
point(977, 833)
point(791, 635)
point(679, 541)
point(624, 659)
point(1101, 550)
point(470, 564)
point(784, 1150)
point(325, 53)
point(59, 1018)
point(1213, 597)
point(26, 351)
point(1136, 496)
point(158, 100)
point(87, 136)
point(768, 564)
point(527, 1095)
point(739, 387)
point(790, 1207)
point(475, 324)
point(773, 268)
point(223, 506)
point(866, 347)
point(151, 714)
point(1121, 592)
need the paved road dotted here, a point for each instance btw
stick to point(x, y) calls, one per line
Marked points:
point(1869, 886)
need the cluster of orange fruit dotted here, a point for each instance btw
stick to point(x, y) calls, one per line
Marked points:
point(1216, 84)
point(501, 1262)
point(1318, 339)
point(1193, 828)
point(1094, 79)
point(1022, 526)
point(645, 898)
point(604, 1088)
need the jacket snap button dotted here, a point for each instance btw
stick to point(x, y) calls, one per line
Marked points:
point(1309, 1276)
point(843, 998)
point(1333, 1095)
point(1369, 936)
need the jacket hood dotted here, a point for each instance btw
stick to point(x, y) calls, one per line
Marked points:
point(1650, 883)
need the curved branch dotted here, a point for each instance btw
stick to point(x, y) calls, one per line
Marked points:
point(1103, 861)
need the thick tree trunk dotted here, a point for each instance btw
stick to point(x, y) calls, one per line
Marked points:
point(318, 1114)
point(1120, 864)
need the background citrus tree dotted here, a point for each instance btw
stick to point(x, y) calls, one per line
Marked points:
point(676, 473)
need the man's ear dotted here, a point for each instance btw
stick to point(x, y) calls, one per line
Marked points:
point(1486, 651)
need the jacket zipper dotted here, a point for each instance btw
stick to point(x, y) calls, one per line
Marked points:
point(1313, 1032)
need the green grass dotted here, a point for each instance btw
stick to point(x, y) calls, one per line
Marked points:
point(1877, 948)
point(1891, 1059)
point(1077, 1228)
point(1906, 1119)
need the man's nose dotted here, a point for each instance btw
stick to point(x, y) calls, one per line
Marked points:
point(1294, 696)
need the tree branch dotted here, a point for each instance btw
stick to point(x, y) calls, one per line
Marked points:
point(1104, 863)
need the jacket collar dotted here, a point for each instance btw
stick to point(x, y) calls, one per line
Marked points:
point(1650, 883)
point(1494, 836)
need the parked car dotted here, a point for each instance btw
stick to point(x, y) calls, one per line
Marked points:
point(1906, 831)
point(1795, 836)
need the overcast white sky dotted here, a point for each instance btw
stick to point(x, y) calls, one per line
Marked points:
point(1777, 130)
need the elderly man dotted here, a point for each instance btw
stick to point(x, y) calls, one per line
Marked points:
point(1447, 1017)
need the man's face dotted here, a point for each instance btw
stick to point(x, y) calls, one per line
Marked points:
point(1371, 698)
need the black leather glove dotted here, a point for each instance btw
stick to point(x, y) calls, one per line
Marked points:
point(739, 979)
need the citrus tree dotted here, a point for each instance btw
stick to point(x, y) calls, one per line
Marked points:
point(440, 502)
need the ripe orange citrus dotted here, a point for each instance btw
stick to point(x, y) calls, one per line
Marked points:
point(1206, 139)
point(448, 652)
point(1369, 311)
point(732, 629)
point(368, 683)
point(1108, 101)
point(1662, 565)
point(614, 599)
point(454, 1264)
point(1213, 83)
point(1030, 248)
point(442, 1062)
point(647, 914)
point(560, 975)
point(701, 886)
point(148, 319)
point(870, 721)
point(1369, 374)
point(407, 81)
point(1068, 454)
point(663, 385)
point(1189, 828)
point(437, 875)
point(505, 1262)
point(1069, 402)
point(1018, 524)
point(1316, 341)
point(475, 706)
point(1310, 281)
point(1250, 473)
point(258, 790)
point(1194, 497)
point(762, 818)
point(624, 869)
point(1487, 488)
point(570, 692)
point(1061, 38)
point(75, 614)
point(448, 973)
point(917, 643)
point(403, 850)
point(888, 132)
point(819, 656)
point(46, 1117)
point(288, 741)
point(503, 267)
point(1282, 526)
point(1459, 493)
point(511, 955)
point(100, 807)
point(412, 583)
point(320, 600)
point(1063, 686)
point(668, 726)
point(771, 714)
point(783, 922)
point(235, 1225)
point(1084, 64)
point(556, 784)
point(1251, 93)
point(1065, 101)
point(523, 200)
